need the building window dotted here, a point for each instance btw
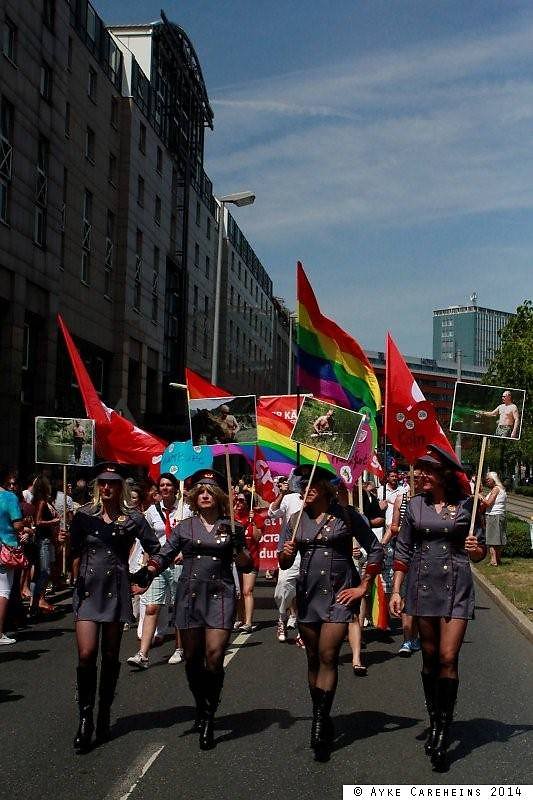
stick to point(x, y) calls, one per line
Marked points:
point(140, 190)
point(7, 120)
point(196, 254)
point(157, 210)
point(91, 23)
point(198, 218)
point(63, 219)
point(4, 200)
point(109, 253)
point(138, 270)
point(86, 230)
point(9, 40)
point(45, 84)
point(155, 285)
point(208, 228)
point(232, 261)
point(89, 144)
point(173, 228)
point(49, 13)
point(114, 112)
point(112, 169)
point(159, 160)
point(142, 137)
point(69, 53)
point(41, 192)
point(207, 266)
point(67, 119)
point(92, 79)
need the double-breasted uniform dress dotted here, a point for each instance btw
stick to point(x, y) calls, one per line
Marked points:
point(102, 588)
point(430, 549)
point(326, 565)
point(206, 594)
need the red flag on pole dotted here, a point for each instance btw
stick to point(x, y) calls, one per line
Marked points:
point(199, 387)
point(263, 480)
point(375, 467)
point(410, 420)
point(117, 439)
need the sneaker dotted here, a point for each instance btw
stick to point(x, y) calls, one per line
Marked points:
point(268, 575)
point(6, 640)
point(237, 624)
point(247, 628)
point(299, 642)
point(415, 645)
point(282, 631)
point(405, 650)
point(138, 660)
point(291, 623)
point(176, 657)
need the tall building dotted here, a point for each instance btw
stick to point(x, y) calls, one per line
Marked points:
point(473, 330)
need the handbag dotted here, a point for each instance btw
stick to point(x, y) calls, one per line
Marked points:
point(12, 557)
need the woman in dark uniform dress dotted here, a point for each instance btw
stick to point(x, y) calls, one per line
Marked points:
point(205, 597)
point(434, 550)
point(101, 536)
point(329, 588)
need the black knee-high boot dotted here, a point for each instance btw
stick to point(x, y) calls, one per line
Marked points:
point(109, 672)
point(195, 678)
point(86, 681)
point(446, 694)
point(429, 682)
point(213, 682)
point(322, 726)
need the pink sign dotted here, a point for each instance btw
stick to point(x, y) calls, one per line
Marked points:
point(351, 470)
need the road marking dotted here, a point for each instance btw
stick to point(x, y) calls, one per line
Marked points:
point(124, 789)
point(236, 643)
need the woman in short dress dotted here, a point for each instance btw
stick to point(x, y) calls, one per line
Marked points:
point(248, 577)
point(329, 588)
point(101, 537)
point(494, 505)
point(206, 595)
point(434, 549)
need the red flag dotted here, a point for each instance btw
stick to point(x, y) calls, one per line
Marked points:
point(375, 467)
point(263, 481)
point(199, 387)
point(410, 420)
point(117, 439)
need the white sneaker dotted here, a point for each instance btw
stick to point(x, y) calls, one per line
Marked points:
point(138, 660)
point(237, 624)
point(291, 622)
point(176, 657)
point(6, 640)
point(281, 631)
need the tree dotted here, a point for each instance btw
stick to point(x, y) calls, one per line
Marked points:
point(512, 366)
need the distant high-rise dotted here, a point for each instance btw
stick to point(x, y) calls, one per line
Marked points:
point(473, 330)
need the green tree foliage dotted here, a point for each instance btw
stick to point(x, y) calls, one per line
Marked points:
point(512, 366)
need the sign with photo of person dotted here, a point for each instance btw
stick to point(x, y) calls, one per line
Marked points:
point(67, 441)
point(483, 410)
point(328, 428)
point(223, 420)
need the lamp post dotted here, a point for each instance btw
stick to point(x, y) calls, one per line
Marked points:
point(292, 317)
point(238, 199)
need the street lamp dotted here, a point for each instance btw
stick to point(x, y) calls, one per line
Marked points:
point(237, 199)
point(292, 318)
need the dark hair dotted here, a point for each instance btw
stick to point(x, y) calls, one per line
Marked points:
point(169, 477)
point(221, 498)
point(41, 489)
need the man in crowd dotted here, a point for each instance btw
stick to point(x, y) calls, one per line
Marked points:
point(508, 417)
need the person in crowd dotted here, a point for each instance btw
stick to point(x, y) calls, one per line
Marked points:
point(101, 537)
point(78, 439)
point(494, 506)
point(162, 517)
point(329, 588)
point(27, 493)
point(47, 522)
point(411, 640)
point(136, 498)
point(393, 490)
point(288, 502)
point(247, 579)
point(80, 492)
point(206, 595)
point(12, 534)
point(433, 549)
point(152, 496)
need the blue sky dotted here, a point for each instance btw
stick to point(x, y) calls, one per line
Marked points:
point(389, 145)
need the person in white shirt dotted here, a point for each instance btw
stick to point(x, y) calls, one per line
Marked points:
point(494, 505)
point(393, 490)
point(162, 516)
point(288, 502)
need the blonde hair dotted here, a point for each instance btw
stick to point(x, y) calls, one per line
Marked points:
point(123, 502)
point(221, 498)
point(497, 482)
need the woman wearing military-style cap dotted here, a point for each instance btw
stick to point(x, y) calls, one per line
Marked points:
point(434, 549)
point(205, 598)
point(101, 536)
point(329, 587)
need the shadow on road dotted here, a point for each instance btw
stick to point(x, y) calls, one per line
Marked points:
point(364, 724)
point(473, 733)
point(247, 723)
point(6, 696)
point(149, 720)
point(17, 655)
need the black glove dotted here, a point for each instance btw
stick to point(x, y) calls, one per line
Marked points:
point(142, 578)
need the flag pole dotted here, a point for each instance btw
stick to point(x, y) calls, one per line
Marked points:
point(63, 543)
point(311, 476)
point(412, 479)
point(360, 493)
point(478, 485)
point(230, 490)
point(181, 500)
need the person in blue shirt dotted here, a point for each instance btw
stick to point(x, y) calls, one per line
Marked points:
point(10, 524)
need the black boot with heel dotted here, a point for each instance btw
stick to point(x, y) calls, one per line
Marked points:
point(86, 682)
point(109, 672)
point(446, 694)
point(429, 682)
point(213, 682)
point(322, 727)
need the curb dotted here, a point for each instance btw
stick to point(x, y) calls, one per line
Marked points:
point(518, 619)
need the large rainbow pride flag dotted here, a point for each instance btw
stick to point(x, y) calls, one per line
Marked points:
point(330, 363)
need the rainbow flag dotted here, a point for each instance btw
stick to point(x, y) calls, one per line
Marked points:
point(378, 604)
point(331, 364)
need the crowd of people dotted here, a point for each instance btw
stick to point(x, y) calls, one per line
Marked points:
point(155, 557)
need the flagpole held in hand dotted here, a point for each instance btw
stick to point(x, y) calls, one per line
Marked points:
point(230, 489)
point(181, 500)
point(311, 476)
point(478, 485)
point(360, 493)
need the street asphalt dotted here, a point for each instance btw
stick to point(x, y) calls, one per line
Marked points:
point(263, 723)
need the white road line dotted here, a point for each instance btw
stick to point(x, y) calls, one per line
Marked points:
point(237, 642)
point(122, 790)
